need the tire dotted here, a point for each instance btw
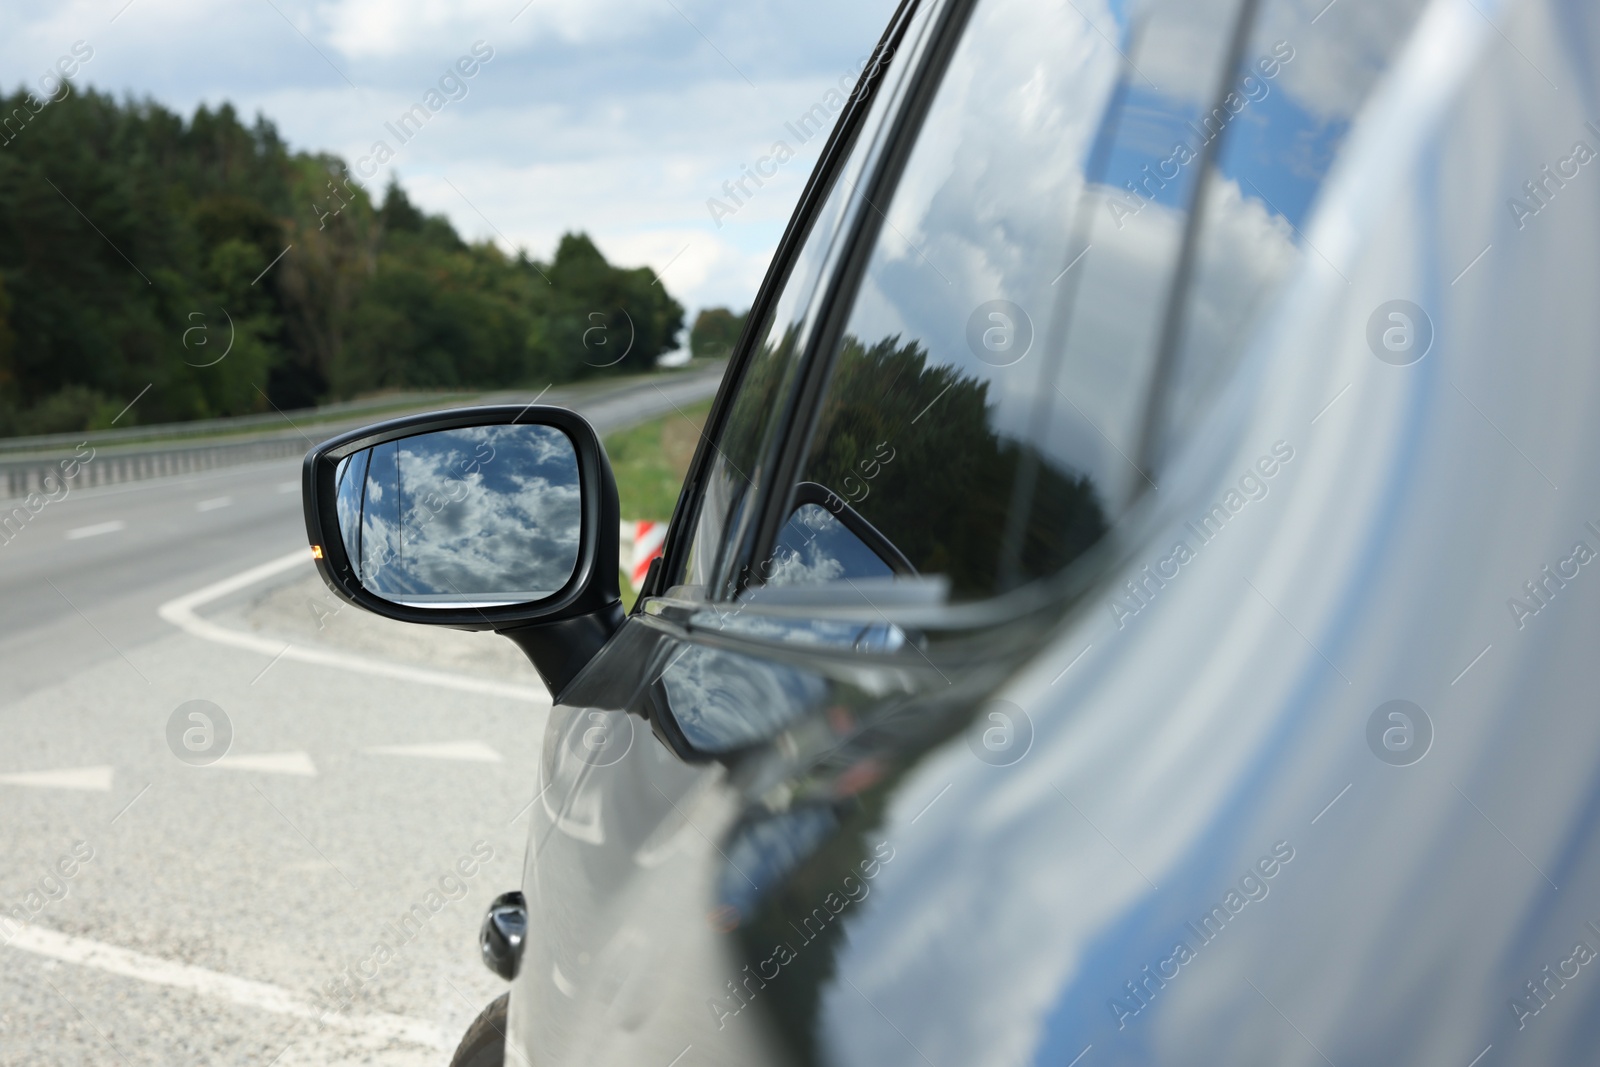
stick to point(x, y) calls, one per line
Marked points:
point(484, 1044)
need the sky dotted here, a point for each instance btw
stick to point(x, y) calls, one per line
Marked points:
point(621, 118)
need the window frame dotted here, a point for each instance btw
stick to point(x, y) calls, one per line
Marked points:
point(837, 289)
point(838, 300)
point(836, 152)
point(840, 287)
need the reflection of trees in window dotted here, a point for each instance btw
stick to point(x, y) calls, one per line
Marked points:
point(741, 441)
point(750, 420)
point(945, 496)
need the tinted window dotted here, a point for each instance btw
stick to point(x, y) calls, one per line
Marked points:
point(996, 276)
point(1013, 340)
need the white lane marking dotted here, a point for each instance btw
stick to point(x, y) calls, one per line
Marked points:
point(252, 994)
point(296, 763)
point(180, 612)
point(94, 779)
point(471, 751)
point(288, 487)
point(214, 503)
point(96, 530)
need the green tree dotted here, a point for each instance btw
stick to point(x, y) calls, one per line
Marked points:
point(137, 247)
point(602, 319)
point(715, 332)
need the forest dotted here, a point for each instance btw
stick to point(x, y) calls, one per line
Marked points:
point(203, 267)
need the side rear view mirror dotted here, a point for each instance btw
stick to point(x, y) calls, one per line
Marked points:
point(491, 518)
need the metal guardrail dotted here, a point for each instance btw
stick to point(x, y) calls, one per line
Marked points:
point(86, 466)
point(166, 433)
point(42, 464)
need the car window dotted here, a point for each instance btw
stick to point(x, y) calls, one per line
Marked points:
point(1010, 341)
point(1303, 76)
point(996, 272)
point(746, 439)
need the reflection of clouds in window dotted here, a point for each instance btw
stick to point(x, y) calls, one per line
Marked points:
point(1109, 350)
point(1248, 250)
point(989, 198)
point(1336, 60)
point(1340, 57)
point(993, 205)
point(481, 512)
point(1285, 142)
point(984, 211)
point(1180, 46)
point(1272, 168)
point(989, 195)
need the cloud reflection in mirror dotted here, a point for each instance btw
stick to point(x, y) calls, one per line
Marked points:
point(478, 516)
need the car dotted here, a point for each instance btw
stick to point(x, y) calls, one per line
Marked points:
point(1134, 600)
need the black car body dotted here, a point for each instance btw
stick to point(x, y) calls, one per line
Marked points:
point(1121, 610)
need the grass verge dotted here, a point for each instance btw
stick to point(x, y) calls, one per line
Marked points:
point(650, 461)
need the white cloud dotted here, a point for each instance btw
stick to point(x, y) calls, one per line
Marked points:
point(363, 28)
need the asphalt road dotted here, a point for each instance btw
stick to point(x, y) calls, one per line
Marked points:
point(172, 913)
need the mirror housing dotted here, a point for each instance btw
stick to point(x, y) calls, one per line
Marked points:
point(503, 934)
point(560, 632)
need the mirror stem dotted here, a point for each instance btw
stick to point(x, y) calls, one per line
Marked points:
point(559, 650)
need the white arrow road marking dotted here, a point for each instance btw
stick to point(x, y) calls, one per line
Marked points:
point(214, 503)
point(181, 613)
point(297, 763)
point(96, 530)
point(95, 779)
point(472, 751)
point(259, 995)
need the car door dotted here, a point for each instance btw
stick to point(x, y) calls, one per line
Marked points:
point(627, 819)
point(976, 349)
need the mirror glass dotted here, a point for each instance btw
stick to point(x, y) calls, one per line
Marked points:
point(482, 516)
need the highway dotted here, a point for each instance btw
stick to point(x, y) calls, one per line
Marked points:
point(313, 896)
